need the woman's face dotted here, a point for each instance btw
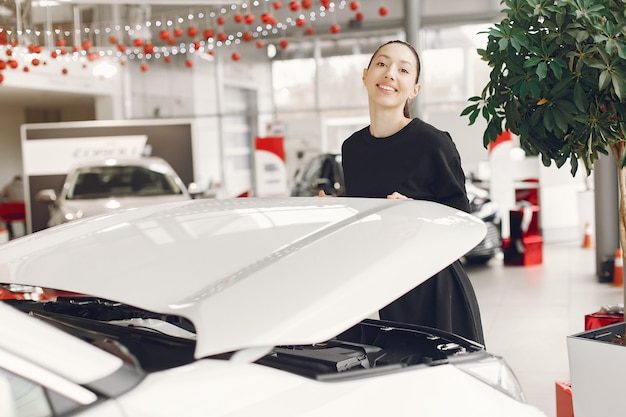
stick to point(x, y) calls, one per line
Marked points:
point(391, 77)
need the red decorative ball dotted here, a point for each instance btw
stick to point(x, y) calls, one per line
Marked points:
point(112, 40)
point(310, 31)
point(260, 44)
point(382, 11)
point(9, 52)
point(178, 32)
point(38, 49)
point(307, 4)
point(220, 20)
point(25, 69)
point(86, 45)
point(249, 19)
point(359, 16)
point(167, 59)
point(1, 78)
point(335, 28)
point(143, 67)
point(171, 41)
point(235, 56)
point(60, 42)
point(189, 63)
point(208, 33)
point(164, 35)
point(266, 18)
point(247, 36)
point(148, 48)
point(53, 54)
point(121, 47)
point(300, 22)
point(12, 63)
point(3, 65)
point(294, 6)
point(354, 5)
point(64, 71)
point(284, 43)
point(276, 5)
point(35, 62)
point(192, 31)
point(137, 42)
point(222, 36)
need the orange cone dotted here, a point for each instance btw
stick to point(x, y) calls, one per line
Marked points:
point(587, 241)
point(618, 270)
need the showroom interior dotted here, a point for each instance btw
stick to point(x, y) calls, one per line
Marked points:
point(288, 74)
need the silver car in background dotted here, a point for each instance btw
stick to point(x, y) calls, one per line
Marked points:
point(114, 184)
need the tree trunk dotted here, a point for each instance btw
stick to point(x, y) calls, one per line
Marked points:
point(618, 150)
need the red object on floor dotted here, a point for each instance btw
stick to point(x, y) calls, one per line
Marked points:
point(527, 251)
point(13, 211)
point(564, 406)
point(601, 319)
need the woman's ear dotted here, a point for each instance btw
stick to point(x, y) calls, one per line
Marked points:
point(416, 91)
point(364, 75)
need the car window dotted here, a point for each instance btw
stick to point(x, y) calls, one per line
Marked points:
point(22, 398)
point(120, 181)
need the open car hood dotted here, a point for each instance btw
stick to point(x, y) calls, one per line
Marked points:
point(250, 272)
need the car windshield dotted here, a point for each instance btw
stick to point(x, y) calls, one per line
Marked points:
point(120, 181)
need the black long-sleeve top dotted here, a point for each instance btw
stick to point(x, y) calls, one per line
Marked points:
point(420, 161)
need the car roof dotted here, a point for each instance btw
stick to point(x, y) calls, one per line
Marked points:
point(141, 161)
point(250, 272)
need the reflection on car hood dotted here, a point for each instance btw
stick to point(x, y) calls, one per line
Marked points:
point(250, 272)
point(95, 206)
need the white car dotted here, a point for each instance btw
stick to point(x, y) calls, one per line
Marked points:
point(103, 186)
point(242, 307)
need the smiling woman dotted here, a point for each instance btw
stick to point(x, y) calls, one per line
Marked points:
point(400, 157)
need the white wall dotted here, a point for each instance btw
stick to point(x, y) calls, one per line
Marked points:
point(11, 118)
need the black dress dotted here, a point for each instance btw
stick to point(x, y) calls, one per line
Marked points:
point(422, 163)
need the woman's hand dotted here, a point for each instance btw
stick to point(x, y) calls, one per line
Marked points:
point(397, 196)
point(322, 194)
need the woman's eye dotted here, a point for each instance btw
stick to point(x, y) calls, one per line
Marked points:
point(381, 64)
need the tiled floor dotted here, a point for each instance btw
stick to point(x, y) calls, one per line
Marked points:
point(528, 312)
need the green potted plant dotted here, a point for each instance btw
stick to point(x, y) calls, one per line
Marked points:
point(558, 81)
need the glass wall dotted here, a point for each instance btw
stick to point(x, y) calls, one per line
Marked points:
point(321, 98)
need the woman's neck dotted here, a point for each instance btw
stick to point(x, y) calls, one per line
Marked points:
point(384, 124)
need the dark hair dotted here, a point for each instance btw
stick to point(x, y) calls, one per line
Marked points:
point(407, 109)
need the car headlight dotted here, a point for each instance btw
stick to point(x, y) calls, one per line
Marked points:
point(68, 216)
point(495, 372)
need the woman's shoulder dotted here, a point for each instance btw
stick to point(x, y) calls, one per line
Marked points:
point(423, 127)
point(359, 134)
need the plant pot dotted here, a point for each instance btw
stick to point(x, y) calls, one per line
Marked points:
point(597, 367)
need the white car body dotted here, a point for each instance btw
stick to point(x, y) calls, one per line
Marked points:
point(248, 273)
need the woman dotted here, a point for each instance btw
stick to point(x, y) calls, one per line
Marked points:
point(400, 157)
